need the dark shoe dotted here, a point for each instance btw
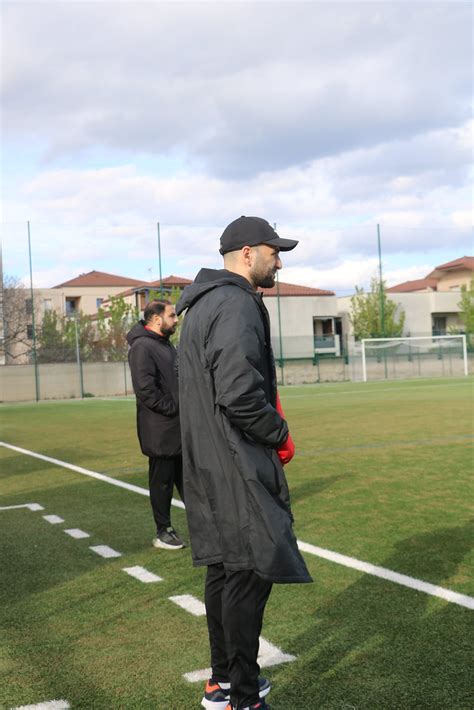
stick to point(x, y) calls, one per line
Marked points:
point(216, 695)
point(168, 540)
point(258, 706)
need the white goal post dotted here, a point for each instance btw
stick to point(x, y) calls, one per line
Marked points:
point(433, 343)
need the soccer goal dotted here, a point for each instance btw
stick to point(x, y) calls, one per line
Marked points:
point(427, 356)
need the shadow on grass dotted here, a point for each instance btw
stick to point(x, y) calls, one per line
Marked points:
point(382, 646)
point(313, 486)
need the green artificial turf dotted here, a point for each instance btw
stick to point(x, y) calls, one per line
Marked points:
point(383, 473)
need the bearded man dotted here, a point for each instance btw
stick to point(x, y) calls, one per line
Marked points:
point(237, 500)
point(153, 364)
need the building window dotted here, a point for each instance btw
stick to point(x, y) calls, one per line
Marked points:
point(71, 306)
point(28, 306)
point(98, 302)
point(47, 304)
point(439, 325)
point(29, 331)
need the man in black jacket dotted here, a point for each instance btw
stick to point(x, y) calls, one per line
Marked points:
point(152, 360)
point(237, 499)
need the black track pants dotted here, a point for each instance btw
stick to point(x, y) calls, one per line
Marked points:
point(163, 474)
point(235, 603)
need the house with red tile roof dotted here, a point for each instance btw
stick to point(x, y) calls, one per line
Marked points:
point(431, 304)
point(87, 292)
point(309, 318)
point(445, 277)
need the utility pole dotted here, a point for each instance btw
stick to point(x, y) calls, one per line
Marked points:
point(159, 258)
point(33, 323)
point(382, 300)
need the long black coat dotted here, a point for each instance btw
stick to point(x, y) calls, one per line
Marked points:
point(152, 360)
point(237, 499)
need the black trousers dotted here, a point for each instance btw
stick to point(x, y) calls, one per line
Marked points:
point(235, 603)
point(163, 474)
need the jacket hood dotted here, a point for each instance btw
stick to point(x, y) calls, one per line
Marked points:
point(139, 331)
point(207, 280)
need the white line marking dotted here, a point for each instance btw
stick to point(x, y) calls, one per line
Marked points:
point(269, 655)
point(189, 603)
point(30, 506)
point(383, 573)
point(367, 567)
point(86, 472)
point(47, 705)
point(76, 533)
point(53, 519)
point(105, 551)
point(142, 574)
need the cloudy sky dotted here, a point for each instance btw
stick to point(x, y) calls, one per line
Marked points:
point(326, 118)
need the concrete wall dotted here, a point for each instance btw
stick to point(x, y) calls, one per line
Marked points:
point(62, 381)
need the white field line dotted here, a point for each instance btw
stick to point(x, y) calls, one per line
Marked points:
point(367, 567)
point(30, 506)
point(53, 519)
point(86, 472)
point(383, 573)
point(105, 551)
point(189, 603)
point(269, 655)
point(76, 533)
point(48, 705)
point(362, 390)
point(142, 574)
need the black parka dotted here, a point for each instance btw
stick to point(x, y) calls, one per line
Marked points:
point(237, 500)
point(153, 364)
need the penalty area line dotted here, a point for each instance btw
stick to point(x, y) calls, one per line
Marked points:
point(366, 567)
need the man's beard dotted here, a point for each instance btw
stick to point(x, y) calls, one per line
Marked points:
point(167, 330)
point(266, 280)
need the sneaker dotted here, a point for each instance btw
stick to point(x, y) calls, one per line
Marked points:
point(262, 705)
point(216, 695)
point(168, 540)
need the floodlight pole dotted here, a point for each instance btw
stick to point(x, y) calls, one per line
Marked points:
point(33, 323)
point(382, 304)
point(282, 365)
point(159, 258)
point(78, 355)
point(382, 297)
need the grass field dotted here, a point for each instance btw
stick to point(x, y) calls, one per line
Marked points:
point(383, 474)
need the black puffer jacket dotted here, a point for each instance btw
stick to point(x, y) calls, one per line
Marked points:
point(237, 500)
point(153, 364)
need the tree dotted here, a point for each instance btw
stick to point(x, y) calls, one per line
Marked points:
point(17, 319)
point(466, 312)
point(57, 338)
point(113, 326)
point(366, 316)
point(51, 338)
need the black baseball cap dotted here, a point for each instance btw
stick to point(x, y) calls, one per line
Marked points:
point(250, 231)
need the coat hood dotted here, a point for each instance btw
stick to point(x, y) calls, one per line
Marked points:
point(207, 280)
point(139, 331)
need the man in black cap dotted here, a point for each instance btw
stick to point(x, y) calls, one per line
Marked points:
point(237, 499)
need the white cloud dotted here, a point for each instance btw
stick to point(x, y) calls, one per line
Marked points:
point(326, 118)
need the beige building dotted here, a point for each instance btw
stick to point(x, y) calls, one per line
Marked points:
point(431, 305)
point(304, 321)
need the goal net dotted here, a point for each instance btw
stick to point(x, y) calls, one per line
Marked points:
point(404, 358)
